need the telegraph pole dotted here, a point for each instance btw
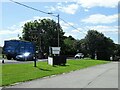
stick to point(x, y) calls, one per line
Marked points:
point(58, 26)
point(58, 31)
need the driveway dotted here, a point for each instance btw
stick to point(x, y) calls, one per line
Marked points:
point(100, 76)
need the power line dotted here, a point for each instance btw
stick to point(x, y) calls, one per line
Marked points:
point(71, 25)
point(52, 14)
point(31, 7)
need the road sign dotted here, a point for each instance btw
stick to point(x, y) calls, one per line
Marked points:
point(55, 50)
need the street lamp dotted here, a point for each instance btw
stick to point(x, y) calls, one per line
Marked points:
point(57, 26)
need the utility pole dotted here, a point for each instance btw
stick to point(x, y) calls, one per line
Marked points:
point(40, 42)
point(58, 26)
point(58, 31)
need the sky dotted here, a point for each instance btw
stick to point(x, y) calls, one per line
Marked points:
point(84, 15)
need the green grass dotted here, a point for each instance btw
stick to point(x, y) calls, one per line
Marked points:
point(13, 73)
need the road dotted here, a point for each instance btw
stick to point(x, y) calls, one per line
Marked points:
point(17, 62)
point(100, 76)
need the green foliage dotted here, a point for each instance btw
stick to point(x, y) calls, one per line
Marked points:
point(117, 50)
point(116, 55)
point(69, 47)
point(98, 44)
point(43, 33)
point(13, 73)
point(81, 46)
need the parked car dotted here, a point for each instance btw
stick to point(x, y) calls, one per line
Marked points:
point(25, 56)
point(79, 55)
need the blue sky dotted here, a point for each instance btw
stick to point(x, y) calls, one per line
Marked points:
point(100, 15)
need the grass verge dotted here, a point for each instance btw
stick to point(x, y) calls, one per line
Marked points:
point(13, 73)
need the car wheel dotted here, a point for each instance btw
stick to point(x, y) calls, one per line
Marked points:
point(77, 58)
point(8, 57)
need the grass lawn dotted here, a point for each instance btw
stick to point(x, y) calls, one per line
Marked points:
point(13, 73)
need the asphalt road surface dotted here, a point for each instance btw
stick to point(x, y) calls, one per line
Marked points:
point(17, 62)
point(100, 76)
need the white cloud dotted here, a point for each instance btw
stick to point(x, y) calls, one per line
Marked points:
point(69, 31)
point(101, 19)
point(8, 35)
point(75, 31)
point(67, 34)
point(104, 29)
point(107, 30)
point(17, 29)
point(86, 10)
point(50, 8)
point(66, 26)
point(41, 0)
point(12, 27)
point(77, 34)
point(38, 17)
point(86, 4)
point(69, 9)
point(34, 18)
point(13, 31)
point(100, 3)
point(8, 32)
point(73, 35)
point(79, 30)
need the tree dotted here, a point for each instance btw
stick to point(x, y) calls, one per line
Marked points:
point(99, 45)
point(117, 50)
point(116, 55)
point(81, 46)
point(69, 46)
point(43, 33)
